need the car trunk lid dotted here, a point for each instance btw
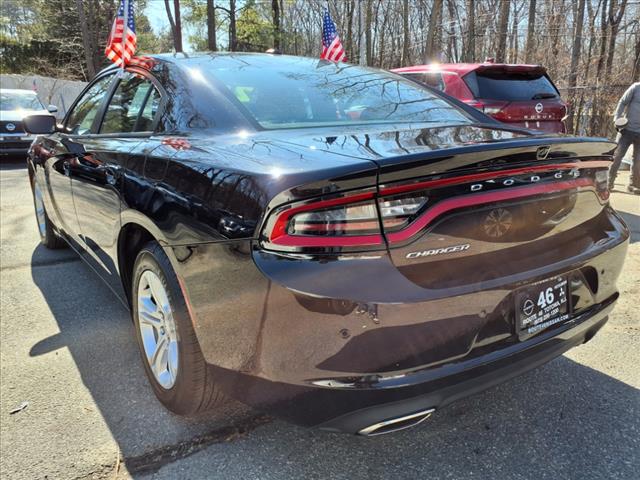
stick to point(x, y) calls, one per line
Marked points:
point(494, 213)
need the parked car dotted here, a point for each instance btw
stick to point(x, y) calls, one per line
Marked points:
point(330, 243)
point(519, 95)
point(14, 106)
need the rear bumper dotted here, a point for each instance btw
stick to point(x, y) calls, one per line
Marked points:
point(13, 151)
point(13, 145)
point(436, 388)
point(546, 126)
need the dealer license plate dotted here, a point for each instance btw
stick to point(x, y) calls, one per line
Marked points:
point(541, 305)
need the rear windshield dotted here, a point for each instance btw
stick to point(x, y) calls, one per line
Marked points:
point(305, 93)
point(19, 101)
point(510, 86)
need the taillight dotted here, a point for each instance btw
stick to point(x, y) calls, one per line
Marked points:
point(356, 219)
point(351, 222)
point(342, 222)
point(398, 211)
point(395, 214)
point(492, 108)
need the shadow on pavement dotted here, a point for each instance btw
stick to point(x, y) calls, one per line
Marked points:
point(563, 420)
point(98, 332)
point(12, 163)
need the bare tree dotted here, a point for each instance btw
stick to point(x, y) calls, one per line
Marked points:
point(86, 40)
point(178, 26)
point(531, 30)
point(211, 25)
point(575, 58)
point(172, 23)
point(503, 30)
point(616, 13)
point(435, 18)
point(406, 59)
point(233, 36)
point(470, 49)
point(275, 9)
point(367, 30)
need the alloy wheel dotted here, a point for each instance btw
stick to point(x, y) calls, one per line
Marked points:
point(157, 329)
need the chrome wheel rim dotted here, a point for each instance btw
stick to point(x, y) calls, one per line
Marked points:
point(157, 329)
point(40, 214)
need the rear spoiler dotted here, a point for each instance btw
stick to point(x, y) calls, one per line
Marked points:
point(505, 68)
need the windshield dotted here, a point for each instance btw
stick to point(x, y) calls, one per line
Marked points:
point(305, 93)
point(19, 101)
point(510, 86)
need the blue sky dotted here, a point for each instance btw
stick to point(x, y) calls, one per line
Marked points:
point(157, 16)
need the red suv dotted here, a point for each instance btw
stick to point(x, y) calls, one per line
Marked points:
point(521, 95)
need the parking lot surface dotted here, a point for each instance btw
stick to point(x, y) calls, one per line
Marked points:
point(68, 357)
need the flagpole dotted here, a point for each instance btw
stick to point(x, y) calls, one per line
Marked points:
point(124, 34)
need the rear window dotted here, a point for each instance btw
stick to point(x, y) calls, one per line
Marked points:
point(19, 101)
point(304, 93)
point(510, 86)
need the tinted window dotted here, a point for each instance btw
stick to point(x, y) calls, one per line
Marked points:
point(132, 106)
point(431, 79)
point(19, 101)
point(145, 123)
point(302, 93)
point(81, 117)
point(510, 86)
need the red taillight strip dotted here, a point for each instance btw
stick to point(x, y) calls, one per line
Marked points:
point(279, 235)
point(345, 241)
point(479, 199)
point(474, 177)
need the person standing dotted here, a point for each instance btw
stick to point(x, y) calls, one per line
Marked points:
point(629, 109)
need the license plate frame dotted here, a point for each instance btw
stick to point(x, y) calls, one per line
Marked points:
point(542, 305)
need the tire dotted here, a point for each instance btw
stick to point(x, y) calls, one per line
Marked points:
point(186, 388)
point(48, 236)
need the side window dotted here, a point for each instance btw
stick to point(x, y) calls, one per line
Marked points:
point(132, 106)
point(434, 79)
point(81, 117)
point(145, 122)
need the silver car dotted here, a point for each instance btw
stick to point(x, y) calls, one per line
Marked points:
point(14, 106)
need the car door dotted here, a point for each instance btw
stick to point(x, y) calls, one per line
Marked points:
point(61, 153)
point(126, 123)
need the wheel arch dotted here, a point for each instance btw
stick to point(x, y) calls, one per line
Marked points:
point(136, 230)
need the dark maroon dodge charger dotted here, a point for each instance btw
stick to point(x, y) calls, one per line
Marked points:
point(333, 244)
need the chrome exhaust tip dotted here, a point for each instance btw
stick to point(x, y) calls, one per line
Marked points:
point(396, 424)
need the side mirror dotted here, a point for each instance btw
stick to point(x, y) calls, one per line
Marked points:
point(52, 109)
point(39, 124)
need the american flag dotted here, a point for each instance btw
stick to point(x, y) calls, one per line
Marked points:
point(331, 45)
point(122, 41)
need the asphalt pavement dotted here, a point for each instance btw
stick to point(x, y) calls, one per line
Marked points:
point(69, 358)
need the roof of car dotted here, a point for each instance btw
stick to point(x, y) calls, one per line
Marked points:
point(464, 68)
point(149, 61)
point(185, 60)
